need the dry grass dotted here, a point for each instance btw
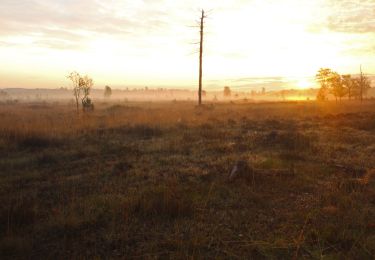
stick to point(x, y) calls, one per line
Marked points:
point(150, 180)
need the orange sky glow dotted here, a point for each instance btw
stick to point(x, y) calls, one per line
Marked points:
point(248, 43)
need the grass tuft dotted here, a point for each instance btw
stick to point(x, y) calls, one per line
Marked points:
point(163, 203)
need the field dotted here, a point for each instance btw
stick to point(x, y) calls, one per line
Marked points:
point(151, 180)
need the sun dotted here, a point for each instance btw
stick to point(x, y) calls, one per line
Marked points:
point(304, 84)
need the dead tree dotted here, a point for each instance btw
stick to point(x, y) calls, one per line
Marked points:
point(201, 58)
point(361, 79)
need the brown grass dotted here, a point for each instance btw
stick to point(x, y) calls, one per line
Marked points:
point(150, 180)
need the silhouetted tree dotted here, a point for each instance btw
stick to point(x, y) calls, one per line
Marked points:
point(360, 85)
point(348, 84)
point(340, 86)
point(107, 91)
point(323, 77)
point(227, 92)
point(201, 58)
point(356, 88)
point(364, 84)
point(321, 95)
point(336, 85)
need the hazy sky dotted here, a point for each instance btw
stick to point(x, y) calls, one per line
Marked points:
point(275, 43)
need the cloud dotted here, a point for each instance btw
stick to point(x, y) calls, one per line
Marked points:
point(351, 16)
point(255, 83)
point(60, 24)
point(5, 44)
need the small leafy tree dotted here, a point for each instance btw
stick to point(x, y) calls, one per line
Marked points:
point(81, 90)
point(76, 80)
point(321, 95)
point(107, 91)
point(336, 85)
point(364, 84)
point(348, 84)
point(330, 82)
point(360, 86)
point(323, 77)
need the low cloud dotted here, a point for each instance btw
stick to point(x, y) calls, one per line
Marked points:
point(351, 16)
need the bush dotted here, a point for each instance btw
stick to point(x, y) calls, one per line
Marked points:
point(87, 105)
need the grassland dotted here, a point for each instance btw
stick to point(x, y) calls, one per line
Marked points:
point(150, 180)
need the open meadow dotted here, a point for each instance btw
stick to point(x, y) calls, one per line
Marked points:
point(151, 180)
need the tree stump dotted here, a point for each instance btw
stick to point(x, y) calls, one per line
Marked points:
point(241, 170)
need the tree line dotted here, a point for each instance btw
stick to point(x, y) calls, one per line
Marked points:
point(340, 86)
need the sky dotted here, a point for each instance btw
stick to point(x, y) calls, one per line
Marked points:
point(248, 44)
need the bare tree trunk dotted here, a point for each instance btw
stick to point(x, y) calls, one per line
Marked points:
point(361, 83)
point(200, 60)
point(76, 95)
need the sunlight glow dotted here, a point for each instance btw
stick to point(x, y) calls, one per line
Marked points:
point(244, 39)
point(304, 84)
